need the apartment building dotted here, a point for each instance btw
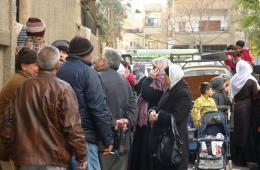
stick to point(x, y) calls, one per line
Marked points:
point(205, 24)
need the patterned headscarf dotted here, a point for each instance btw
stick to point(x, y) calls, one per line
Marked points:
point(161, 63)
point(158, 83)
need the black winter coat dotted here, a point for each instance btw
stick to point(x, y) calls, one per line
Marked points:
point(141, 157)
point(138, 86)
point(95, 117)
point(150, 94)
point(176, 101)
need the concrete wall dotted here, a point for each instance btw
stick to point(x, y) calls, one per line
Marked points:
point(62, 19)
point(7, 39)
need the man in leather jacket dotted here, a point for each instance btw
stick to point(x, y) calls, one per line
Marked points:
point(45, 120)
point(25, 67)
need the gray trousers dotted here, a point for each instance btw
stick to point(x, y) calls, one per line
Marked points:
point(111, 162)
point(41, 168)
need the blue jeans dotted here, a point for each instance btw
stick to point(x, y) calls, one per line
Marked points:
point(92, 158)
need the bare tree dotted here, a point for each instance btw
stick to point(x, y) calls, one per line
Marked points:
point(195, 20)
point(109, 18)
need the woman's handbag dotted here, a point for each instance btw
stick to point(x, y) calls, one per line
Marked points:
point(170, 149)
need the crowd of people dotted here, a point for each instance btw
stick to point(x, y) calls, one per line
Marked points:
point(64, 109)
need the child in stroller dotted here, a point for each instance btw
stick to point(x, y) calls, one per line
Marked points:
point(204, 103)
point(211, 146)
point(213, 141)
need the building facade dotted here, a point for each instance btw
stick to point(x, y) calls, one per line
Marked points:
point(7, 39)
point(63, 19)
point(208, 25)
point(155, 27)
point(145, 29)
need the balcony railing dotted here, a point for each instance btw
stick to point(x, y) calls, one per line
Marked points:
point(152, 30)
point(222, 29)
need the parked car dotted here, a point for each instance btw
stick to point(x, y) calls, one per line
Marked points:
point(202, 71)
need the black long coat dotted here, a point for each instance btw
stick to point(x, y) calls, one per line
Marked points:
point(243, 112)
point(176, 101)
point(244, 122)
point(254, 134)
point(140, 157)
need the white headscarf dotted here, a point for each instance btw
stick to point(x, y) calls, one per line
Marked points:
point(121, 70)
point(244, 73)
point(175, 74)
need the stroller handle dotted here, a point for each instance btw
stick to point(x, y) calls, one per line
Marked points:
point(227, 107)
point(223, 107)
point(210, 140)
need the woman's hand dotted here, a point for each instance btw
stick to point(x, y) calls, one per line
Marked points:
point(153, 74)
point(153, 117)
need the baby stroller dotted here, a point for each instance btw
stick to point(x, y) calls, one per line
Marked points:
point(213, 141)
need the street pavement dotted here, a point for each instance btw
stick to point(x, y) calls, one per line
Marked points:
point(234, 167)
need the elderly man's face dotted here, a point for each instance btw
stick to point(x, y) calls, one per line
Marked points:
point(100, 64)
point(30, 69)
point(63, 55)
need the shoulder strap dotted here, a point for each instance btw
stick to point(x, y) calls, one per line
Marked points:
point(163, 99)
point(174, 128)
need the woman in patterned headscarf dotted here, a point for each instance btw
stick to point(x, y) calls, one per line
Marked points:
point(152, 89)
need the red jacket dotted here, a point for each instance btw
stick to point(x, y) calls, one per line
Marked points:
point(131, 79)
point(231, 61)
point(245, 55)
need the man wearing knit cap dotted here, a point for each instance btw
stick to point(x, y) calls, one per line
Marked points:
point(35, 29)
point(44, 119)
point(25, 67)
point(95, 117)
point(63, 47)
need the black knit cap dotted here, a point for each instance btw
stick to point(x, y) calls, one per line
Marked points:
point(80, 46)
point(61, 45)
point(25, 56)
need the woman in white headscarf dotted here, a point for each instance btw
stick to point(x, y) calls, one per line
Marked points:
point(175, 101)
point(244, 89)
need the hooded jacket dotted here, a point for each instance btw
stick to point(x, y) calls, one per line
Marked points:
point(220, 97)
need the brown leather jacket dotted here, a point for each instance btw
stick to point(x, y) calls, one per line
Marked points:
point(46, 123)
point(9, 90)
